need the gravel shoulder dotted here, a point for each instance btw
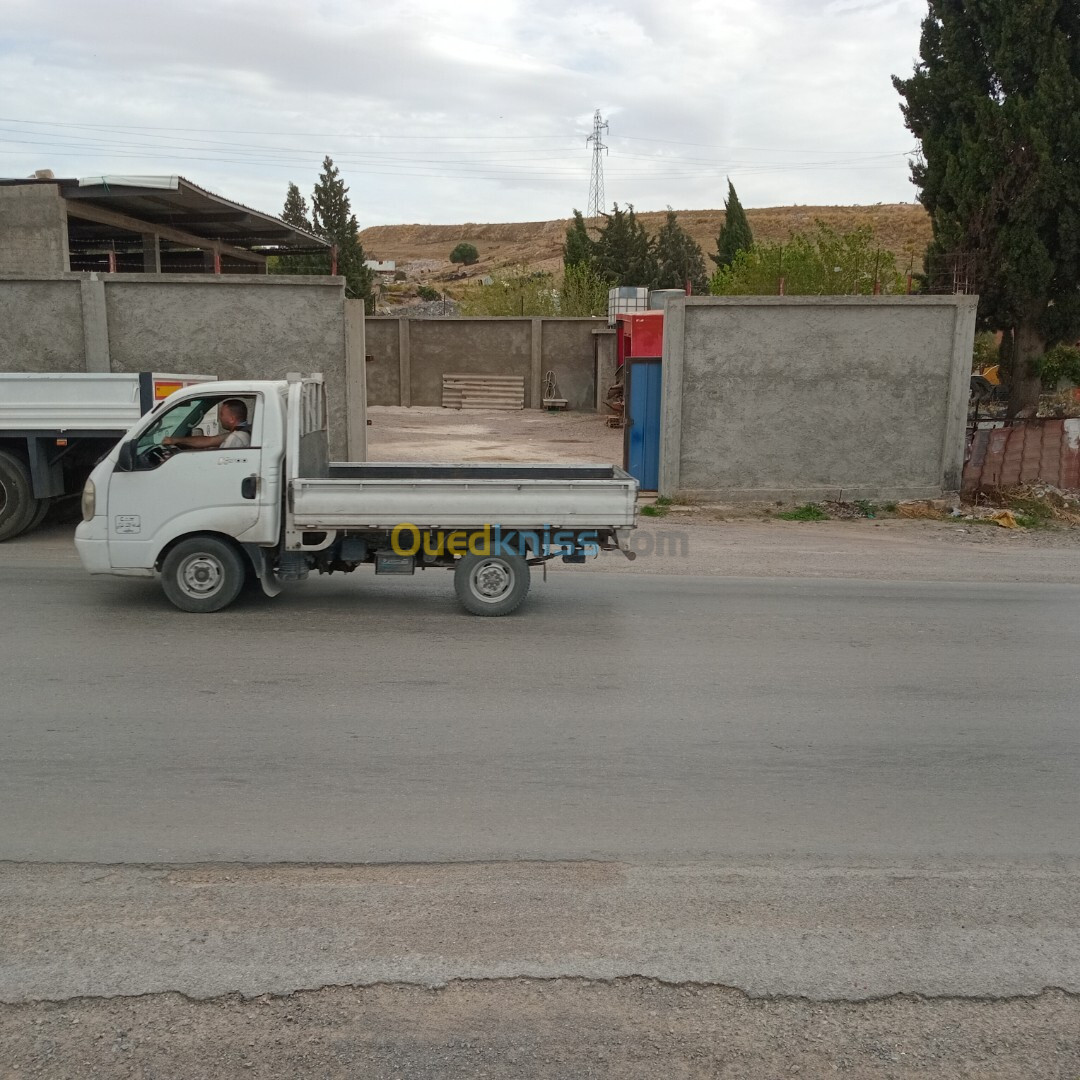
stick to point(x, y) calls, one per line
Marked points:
point(567, 1030)
point(868, 969)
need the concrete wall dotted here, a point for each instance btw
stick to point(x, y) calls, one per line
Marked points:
point(41, 326)
point(410, 356)
point(383, 369)
point(792, 398)
point(33, 230)
point(233, 327)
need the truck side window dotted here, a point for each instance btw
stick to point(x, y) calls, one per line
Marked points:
point(181, 419)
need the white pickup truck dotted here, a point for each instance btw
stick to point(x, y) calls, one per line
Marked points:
point(208, 519)
point(56, 426)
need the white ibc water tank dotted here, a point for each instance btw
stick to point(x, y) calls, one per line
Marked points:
point(626, 299)
point(659, 297)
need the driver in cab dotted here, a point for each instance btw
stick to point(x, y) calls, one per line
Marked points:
point(232, 415)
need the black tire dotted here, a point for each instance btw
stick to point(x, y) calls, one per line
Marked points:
point(203, 574)
point(17, 503)
point(44, 506)
point(491, 584)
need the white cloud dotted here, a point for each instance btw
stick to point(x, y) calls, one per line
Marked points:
point(791, 98)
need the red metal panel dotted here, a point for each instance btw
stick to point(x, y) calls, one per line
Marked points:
point(647, 334)
point(1046, 451)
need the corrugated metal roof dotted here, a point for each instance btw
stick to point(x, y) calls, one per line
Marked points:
point(175, 201)
point(1024, 453)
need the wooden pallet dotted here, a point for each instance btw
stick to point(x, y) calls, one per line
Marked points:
point(483, 391)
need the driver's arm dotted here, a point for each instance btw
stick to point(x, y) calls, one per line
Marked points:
point(195, 442)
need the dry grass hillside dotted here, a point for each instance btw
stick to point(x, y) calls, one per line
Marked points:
point(903, 228)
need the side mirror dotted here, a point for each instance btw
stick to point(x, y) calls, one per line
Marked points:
point(125, 460)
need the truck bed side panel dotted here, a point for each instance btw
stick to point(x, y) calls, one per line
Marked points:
point(520, 501)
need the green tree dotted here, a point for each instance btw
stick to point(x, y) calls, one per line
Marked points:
point(296, 210)
point(679, 259)
point(735, 234)
point(579, 248)
point(995, 104)
point(583, 292)
point(296, 215)
point(824, 263)
point(624, 253)
point(465, 253)
point(332, 219)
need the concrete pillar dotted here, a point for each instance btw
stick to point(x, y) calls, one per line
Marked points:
point(956, 415)
point(151, 254)
point(355, 381)
point(404, 363)
point(95, 323)
point(33, 224)
point(536, 365)
point(672, 398)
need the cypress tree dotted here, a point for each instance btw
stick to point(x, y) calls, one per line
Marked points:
point(332, 219)
point(296, 210)
point(624, 252)
point(735, 234)
point(579, 247)
point(642, 266)
point(679, 259)
point(995, 103)
point(296, 215)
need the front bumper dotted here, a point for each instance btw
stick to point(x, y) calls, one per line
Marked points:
point(91, 542)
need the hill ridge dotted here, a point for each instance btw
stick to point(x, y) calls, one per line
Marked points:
point(902, 228)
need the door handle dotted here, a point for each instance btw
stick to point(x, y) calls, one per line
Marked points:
point(249, 487)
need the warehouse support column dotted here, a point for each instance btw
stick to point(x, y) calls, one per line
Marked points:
point(151, 253)
point(536, 365)
point(95, 323)
point(404, 363)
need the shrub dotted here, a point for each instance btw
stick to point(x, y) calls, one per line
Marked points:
point(1060, 362)
point(465, 253)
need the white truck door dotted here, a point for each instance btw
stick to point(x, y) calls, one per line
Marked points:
point(160, 497)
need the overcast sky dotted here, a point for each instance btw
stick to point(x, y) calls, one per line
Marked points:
point(467, 110)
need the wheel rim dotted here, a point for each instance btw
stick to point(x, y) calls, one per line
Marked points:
point(200, 575)
point(491, 581)
point(3, 496)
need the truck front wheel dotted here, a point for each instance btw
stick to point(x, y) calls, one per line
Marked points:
point(491, 584)
point(17, 503)
point(202, 574)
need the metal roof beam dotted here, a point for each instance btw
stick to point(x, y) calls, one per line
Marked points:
point(88, 212)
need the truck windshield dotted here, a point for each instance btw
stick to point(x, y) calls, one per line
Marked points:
point(179, 420)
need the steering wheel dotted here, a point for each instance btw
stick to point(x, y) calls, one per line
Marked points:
point(158, 454)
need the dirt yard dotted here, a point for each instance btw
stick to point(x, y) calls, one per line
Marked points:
point(434, 434)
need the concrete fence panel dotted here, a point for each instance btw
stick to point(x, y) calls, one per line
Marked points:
point(41, 325)
point(781, 398)
point(410, 356)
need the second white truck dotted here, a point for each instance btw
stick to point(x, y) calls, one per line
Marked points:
point(205, 520)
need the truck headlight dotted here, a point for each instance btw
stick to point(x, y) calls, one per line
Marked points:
point(89, 499)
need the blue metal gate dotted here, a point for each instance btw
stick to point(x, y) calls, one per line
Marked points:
point(641, 437)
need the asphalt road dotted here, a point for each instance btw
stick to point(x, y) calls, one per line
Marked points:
point(364, 719)
point(654, 823)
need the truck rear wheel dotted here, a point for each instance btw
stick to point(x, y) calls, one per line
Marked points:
point(491, 584)
point(202, 574)
point(17, 503)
